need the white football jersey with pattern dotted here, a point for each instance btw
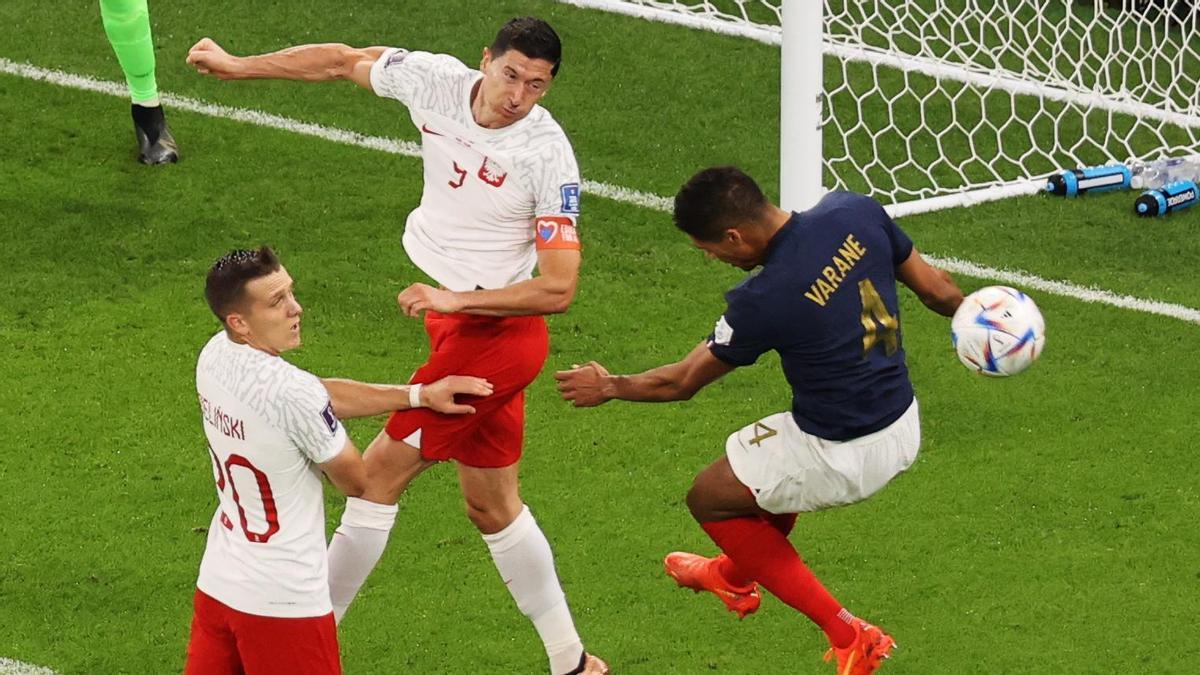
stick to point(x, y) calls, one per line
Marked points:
point(489, 194)
point(268, 425)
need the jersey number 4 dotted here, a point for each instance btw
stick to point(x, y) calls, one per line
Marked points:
point(879, 326)
point(269, 512)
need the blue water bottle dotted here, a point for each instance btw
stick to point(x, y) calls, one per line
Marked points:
point(1090, 179)
point(1167, 199)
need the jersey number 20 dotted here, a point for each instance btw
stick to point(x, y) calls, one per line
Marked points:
point(879, 326)
point(270, 514)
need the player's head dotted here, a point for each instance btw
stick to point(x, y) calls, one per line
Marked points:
point(251, 294)
point(517, 70)
point(726, 214)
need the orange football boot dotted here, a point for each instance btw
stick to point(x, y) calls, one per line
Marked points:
point(700, 574)
point(871, 645)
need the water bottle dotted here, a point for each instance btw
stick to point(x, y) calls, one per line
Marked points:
point(1089, 179)
point(1158, 174)
point(1167, 199)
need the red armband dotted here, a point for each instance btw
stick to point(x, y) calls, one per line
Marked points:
point(556, 232)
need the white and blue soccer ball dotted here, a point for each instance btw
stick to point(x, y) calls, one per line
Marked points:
point(998, 331)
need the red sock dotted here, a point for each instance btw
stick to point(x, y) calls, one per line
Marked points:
point(784, 522)
point(727, 569)
point(761, 552)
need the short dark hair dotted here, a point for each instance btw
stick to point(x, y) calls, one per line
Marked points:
point(532, 37)
point(718, 199)
point(225, 287)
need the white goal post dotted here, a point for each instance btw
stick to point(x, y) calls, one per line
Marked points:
point(929, 104)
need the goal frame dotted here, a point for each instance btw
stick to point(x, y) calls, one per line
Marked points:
point(802, 97)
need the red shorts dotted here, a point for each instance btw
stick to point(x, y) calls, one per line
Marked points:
point(226, 642)
point(508, 352)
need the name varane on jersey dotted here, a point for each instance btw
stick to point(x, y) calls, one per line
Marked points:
point(491, 197)
point(825, 300)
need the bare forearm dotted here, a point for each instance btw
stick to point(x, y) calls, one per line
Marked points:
point(540, 295)
point(946, 302)
point(358, 399)
point(658, 385)
point(591, 385)
point(312, 63)
point(945, 307)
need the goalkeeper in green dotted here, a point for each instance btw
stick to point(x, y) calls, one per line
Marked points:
point(127, 24)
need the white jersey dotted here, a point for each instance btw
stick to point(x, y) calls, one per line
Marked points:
point(489, 193)
point(268, 424)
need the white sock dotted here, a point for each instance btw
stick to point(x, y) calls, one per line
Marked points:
point(151, 103)
point(356, 547)
point(526, 564)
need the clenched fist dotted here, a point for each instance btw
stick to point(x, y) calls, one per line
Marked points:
point(208, 58)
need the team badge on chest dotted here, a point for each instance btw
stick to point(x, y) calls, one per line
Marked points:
point(492, 173)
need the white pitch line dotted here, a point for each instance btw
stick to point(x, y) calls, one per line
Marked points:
point(614, 192)
point(262, 119)
point(11, 667)
point(1084, 293)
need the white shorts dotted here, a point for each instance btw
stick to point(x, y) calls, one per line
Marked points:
point(790, 471)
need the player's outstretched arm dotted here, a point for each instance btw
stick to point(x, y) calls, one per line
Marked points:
point(312, 63)
point(358, 399)
point(933, 286)
point(551, 292)
point(591, 384)
point(346, 470)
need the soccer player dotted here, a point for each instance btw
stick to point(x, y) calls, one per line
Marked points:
point(825, 300)
point(262, 596)
point(127, 24)
point(501, 196)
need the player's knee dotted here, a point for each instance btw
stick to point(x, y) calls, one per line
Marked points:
point(489, 518)
point(388, 474)
point(383, 487)
point(483, 518)
point(697, 501)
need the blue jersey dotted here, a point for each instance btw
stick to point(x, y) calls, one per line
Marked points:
point(825, 300)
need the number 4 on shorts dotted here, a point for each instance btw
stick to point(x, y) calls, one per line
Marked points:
point(761, 433)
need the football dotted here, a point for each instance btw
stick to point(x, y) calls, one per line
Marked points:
point(998, 331)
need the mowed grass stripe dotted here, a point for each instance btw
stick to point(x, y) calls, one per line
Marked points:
point(264, 119)
point(615, 192)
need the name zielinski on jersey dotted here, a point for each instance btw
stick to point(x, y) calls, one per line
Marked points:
point(222, 421)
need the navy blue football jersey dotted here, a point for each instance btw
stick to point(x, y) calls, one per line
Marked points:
point(825, 300)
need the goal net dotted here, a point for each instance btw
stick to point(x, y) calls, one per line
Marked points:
point(926, 104)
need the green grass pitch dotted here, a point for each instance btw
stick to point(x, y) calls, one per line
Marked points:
point(1048, 526)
